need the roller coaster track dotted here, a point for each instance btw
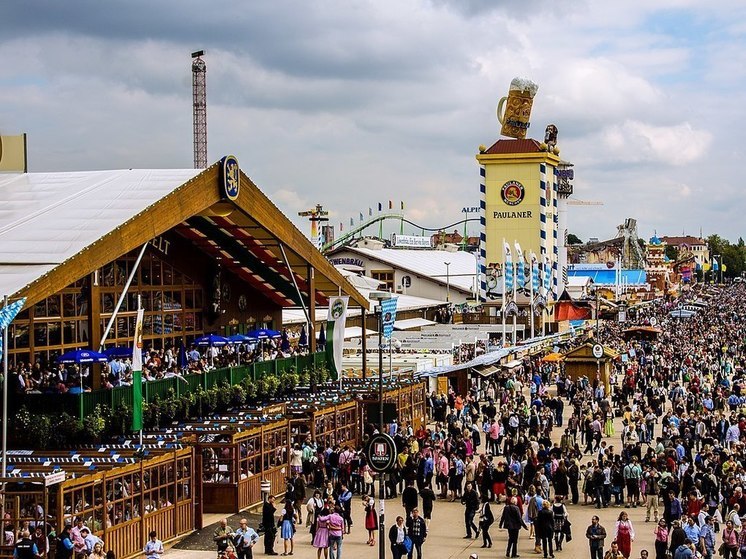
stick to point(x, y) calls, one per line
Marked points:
point(379, 219)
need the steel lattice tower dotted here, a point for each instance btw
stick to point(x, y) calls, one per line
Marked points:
point(199, 107)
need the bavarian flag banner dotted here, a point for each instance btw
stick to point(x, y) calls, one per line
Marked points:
point(335, 333)
point(7, 314)
point(388, 316)
point(137, 374)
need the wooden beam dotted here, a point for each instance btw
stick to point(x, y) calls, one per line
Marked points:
point(311, 310)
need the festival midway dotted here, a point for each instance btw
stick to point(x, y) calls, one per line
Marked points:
point(198, 362)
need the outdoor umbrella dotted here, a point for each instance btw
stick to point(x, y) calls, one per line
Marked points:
point(303, 340)
point(238, 339)
point(119, 352)
point(285, 343)
point(83, 356)
point(211, 340)
point(322, 338)
point(263, 334)
point(183, 362)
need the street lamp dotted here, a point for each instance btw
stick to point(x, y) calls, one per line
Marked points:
point(448, 281)
point(380, 296)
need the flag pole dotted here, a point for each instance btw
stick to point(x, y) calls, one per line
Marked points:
point(515, 298)
point(531, 304)
point(5, 402)
point(502, 310)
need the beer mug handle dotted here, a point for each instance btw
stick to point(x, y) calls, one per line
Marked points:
point(501, 111)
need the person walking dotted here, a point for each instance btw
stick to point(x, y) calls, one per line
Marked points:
point(417, 530)
point(336, 524)
point(409, 498)
point(428, 498)
point(596, 535)
point(624, 534)
point(288, 519)
point(512, 521)
point(268, 521)
point(486, 520)
point(397, 533)
point(544, 527)
point(707, 537)
point(730, 541)
point(661, 539)
point(245, 539)
point(321, 534)
point(559, 513)
point(470, 500)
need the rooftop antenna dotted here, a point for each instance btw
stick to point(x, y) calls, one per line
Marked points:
point(199, 109)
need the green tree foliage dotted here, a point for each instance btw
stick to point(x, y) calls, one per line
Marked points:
point(732, 255)
point(573, 239)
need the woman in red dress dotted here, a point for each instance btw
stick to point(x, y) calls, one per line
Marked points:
point(624, 534)
point(371, 519)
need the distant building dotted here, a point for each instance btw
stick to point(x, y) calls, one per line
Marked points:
point(657, 267)
point(441, 275)
point(687, 245)
point(441, 239)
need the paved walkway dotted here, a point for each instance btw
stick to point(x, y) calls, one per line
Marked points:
point(447, 530)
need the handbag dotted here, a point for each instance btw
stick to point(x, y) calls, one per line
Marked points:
point(407, 543)
point(367, 478)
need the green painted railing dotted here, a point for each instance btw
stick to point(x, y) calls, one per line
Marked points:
point(71, 403)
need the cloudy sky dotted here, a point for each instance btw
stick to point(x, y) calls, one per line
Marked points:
point(347, 103)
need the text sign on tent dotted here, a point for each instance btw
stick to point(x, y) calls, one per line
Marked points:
point(598, 351)
point(388, 316)
point(54, 479)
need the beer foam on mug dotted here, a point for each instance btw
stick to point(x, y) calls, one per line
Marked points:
point(524, 84)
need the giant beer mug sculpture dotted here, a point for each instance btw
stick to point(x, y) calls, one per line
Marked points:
point(514, 111)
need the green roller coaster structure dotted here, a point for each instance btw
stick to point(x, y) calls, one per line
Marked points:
point(379, 219)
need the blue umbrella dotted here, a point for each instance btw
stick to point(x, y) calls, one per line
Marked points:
point(183, 362)
point(303, 340)
point(211, 340)
point(119, 352)
point(240, 339)
point(285, 343)
point(322, 338)
point(263, 334)
point(83, 356)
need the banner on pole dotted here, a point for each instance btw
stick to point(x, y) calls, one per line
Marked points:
point(7, 314)
point(137, 374)
point(335, 332)
point(388, 316)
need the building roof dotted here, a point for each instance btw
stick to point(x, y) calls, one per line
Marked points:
point(58, 227)
point(513, 146)
point(685, 240)
point(426, 263)
point(47, 218)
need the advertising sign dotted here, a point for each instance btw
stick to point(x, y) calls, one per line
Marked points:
point(411, 241)
point(381, 453)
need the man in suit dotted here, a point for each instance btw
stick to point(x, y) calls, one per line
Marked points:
point(270, 529)
point(512, 521)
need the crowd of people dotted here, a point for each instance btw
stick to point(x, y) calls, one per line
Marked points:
point(512, 441)
point(71, 378)
point(525, 449)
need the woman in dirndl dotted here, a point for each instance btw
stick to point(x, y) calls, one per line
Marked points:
point(288, 518)
point(321, 537)
point(624, 534)
point(371, 518)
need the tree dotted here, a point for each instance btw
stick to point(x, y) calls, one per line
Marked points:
point(573, 239)
point(672, 252)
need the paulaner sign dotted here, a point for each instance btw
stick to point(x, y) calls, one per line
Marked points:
point(511, 215)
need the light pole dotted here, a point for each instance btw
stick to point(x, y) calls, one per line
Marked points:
point(448, 281)
point(380, 296)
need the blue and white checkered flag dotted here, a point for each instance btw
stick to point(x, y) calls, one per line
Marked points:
point(520, 267)
point(508, 271)
point(534, 273)
point(7, 314)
